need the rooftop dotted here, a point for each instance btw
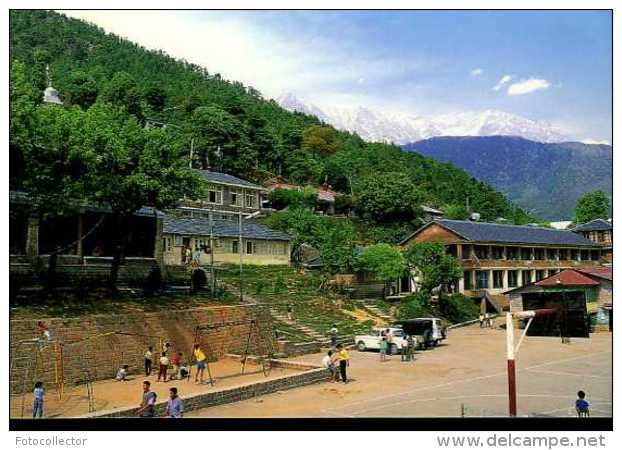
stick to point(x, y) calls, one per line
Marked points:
point(568, 277)
point(594, 225)
point(509, 234)
point(222, 228)
point(225, 178)
point(603, 272)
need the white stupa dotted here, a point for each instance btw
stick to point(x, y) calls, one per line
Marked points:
point(50, 95)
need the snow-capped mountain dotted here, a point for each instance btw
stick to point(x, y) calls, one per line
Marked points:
point(399, 128)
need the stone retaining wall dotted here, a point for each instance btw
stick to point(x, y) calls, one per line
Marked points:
point(99, 344)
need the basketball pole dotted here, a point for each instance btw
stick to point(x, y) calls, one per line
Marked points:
point(509, 328)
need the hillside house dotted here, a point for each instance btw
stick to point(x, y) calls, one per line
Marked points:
point(599, 231)
point(325, 194)
point(497, 257)
point(258, 245)
point(227, 196)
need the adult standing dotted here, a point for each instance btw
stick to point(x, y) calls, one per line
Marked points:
point(389, 337)
point(148, 360)
point(147, 406)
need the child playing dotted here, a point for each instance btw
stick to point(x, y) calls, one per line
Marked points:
point(200, 358)
point(581, 405)
point(328, 362)
point(383, 348)
point(122, 373)
point(176, 362)
point(344, 362)
point(163, 367)
point(37, 407)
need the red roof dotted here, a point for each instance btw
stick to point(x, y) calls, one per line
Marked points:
point(599, 272)
point(568, 277)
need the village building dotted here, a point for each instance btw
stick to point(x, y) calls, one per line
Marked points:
point(325, 200)
point(202, 242)
point(82, 241)
point(227, 196)
point(585, 292)
point(497, 257)
point(430, 214)
point(601, 232)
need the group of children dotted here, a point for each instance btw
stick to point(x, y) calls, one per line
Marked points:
point(180, 371)
point(485, 320)
point(337, 356)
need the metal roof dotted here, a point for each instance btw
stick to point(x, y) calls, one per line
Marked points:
point(24, 198)
point(603, 272)
point(594, 225)
point(222, 228)
point(225, 178)
point(567, 277)
point(509, 234)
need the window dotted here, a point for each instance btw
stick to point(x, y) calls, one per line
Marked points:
point(481, 279)
point(236, 198)
point(234, 246)
point(511, 252)
point(563, 254)
point(497, 253)
point(526, 277)
point(540, 274)
point(467, 276)
point(251, 200)
point(595, 255)
point(250, 247)
point(481, 251)
point(167, 244)
point(574, 255)
point(512, 278)
point(538, 254)
point(214, 195)
point(585, 254)
point(466, 252)
point(551, 254)
point(497, 279)
point(525, 254)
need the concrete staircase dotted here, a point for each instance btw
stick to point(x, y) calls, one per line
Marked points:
point(370, 306)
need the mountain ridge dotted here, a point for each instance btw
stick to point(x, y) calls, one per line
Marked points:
point(546, 179)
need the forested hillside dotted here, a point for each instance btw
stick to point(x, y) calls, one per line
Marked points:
point(545, 179)
point(229, 125)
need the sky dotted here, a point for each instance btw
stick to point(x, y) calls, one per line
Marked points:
point(544, 65)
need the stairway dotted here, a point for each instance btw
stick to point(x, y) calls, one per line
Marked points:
point(370, 306)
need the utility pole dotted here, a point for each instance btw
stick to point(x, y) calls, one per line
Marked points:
point(511, 366)
point(211, 251)
point(240, 250)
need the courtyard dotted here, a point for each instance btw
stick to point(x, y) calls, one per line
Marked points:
point(465, 376)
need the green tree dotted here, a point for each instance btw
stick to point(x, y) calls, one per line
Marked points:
point(433, 266)
point(123, 91)
point(337, 245)
point(383, 260)
point(80, 89)
point(593, 205)
point(455, 212)
point(320, 140)
point(390, 196)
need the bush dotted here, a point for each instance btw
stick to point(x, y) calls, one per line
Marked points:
point(281, 198)
point(458, 308)
point(414, 305)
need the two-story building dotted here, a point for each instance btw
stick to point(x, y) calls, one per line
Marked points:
point(599, 231)
point(498, 257)
point(227, 196)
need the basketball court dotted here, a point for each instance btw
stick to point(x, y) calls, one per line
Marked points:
point(466, 376)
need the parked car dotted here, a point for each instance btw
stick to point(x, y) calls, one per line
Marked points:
point(429, 329)
point(372, 340)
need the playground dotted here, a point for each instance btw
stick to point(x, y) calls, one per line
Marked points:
point(466, 376)
point(106, 395)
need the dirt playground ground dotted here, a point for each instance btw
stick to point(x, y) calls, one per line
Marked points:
point(464, 376)
point(112, 394)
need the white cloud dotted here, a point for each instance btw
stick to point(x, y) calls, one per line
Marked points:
point(241, 49)
point(504, 79)
point(477, 72)
point(526, 86)
point(596, 141)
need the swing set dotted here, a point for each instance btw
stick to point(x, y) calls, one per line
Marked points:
point(265, 345)
point(27, 363)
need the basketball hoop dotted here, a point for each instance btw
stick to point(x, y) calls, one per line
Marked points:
point(511, 350)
